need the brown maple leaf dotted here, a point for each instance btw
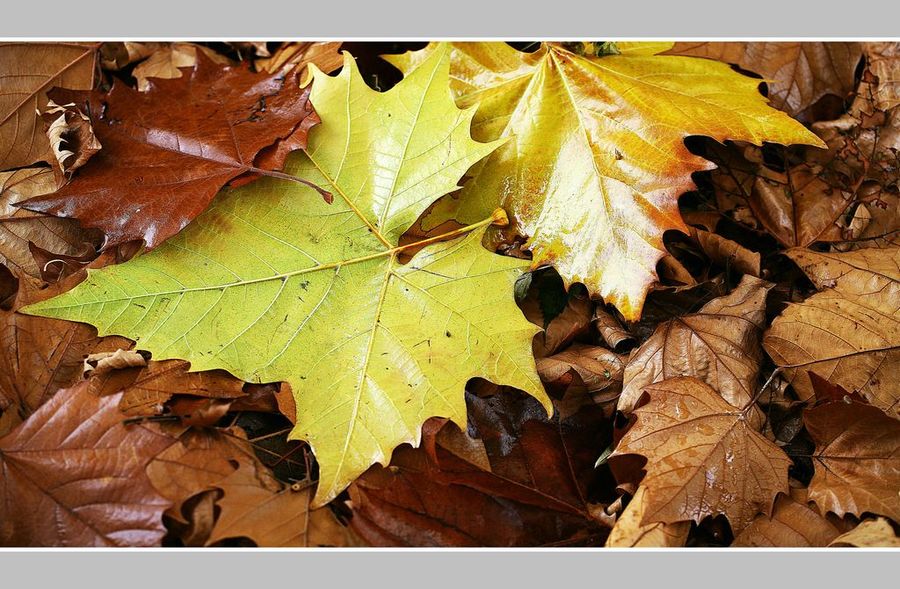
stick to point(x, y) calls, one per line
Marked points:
point(39, 356)
point(73, 475)
point(719, 344)
point(857, 459)
point(167, 152)
point(792, 524)
point(703, 456)
point(27, 72)
point(524, 475)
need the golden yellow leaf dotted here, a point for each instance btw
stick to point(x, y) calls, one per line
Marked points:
point(597, 159)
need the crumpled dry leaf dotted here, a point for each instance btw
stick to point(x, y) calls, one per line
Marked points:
point(166, 61)
point(259, 509)
point(857, 459)
point(799, 72)
point(73, 475)
point(593, 367)
point(720, 344)
point(559, 331)
point(727, 253)
point(872, 533)
point(71, 136)
point(792, 524)
point(168, 151)
point(300, 55)
point(27, 72)
point(849, 333)
point(612, 332)
point(629, 533)
point(146, 388)
point(703, 457)
point(20, 229)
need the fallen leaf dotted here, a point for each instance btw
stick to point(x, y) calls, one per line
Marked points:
point(300, 55)
point(73, 475)
point(146, 389)
point(70, 134)
point(872, 533)
point(167, 152)
point(167, 60)
point(276, 518)
point(799, 72)
point(405, 327)
point(857, 459)
point(118, 54)
point(39, 356)
point(799, 208)
point(195, 463)
point(727, 253)
point(849, 333)
point(533, 491)
point(561, 329)
point(64, 238)
point(703, 457)
point(28, 71)
point(629, 533)
point(792, 524)
point(719, 344)
point(612, 332)
point(593, 367)
point(593, 161)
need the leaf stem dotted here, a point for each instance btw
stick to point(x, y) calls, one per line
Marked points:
point(329, 198)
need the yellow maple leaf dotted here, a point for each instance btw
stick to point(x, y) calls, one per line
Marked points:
point(597, 159)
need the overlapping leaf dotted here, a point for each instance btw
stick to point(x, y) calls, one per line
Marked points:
point(27, 72)
point(597, 159)
point(73, 475)
point(703, 457)
point(264, 304)
point(167, 152)
point(849, 333)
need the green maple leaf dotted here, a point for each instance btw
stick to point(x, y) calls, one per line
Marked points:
point(273, 284)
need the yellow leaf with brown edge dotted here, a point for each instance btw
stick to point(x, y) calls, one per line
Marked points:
point(593, 174)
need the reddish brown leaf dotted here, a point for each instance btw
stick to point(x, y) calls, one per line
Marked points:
point(703, 457)
point(534, 492)
point(857, 459)
point(73, 475)
point(167, 152)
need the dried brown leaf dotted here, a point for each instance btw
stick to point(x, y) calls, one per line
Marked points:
point(703, 457)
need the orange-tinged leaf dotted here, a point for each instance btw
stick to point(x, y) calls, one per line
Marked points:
point(703, 457)
point(597, 159)
point(630, 533)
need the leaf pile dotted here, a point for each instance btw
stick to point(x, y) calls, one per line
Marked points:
point(471, 294)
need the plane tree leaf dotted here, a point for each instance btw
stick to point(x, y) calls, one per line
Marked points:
point(857, 459)
point(849, 333)
point(718, 344)
point(167, 152)
point(27, 72)
point(703, 457)
point(272, 283)
point(799, 72)
point(73, 475)
point(596, 160)
point(792, 524)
